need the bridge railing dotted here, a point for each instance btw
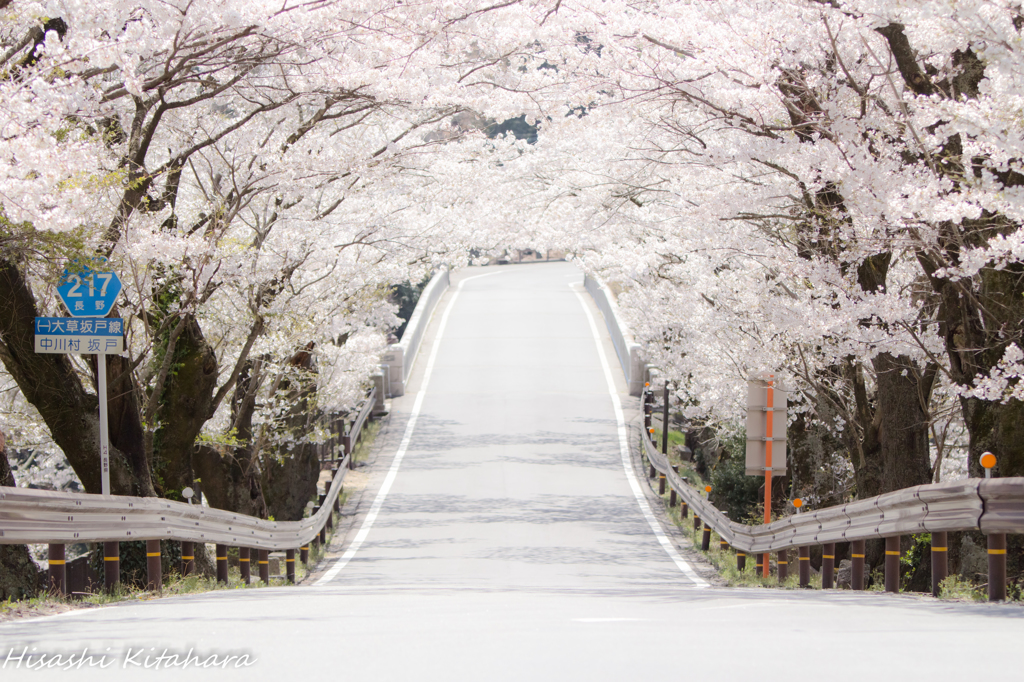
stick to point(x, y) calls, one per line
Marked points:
point(397, 362)
point(993, 506)
point(29, 516)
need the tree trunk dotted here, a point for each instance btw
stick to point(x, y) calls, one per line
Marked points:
point(20, 577)
point(184, 407)
point(902, 423)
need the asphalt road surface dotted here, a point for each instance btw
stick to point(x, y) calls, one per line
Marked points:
point(504, 535)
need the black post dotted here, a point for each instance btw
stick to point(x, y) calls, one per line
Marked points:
point(289, 565)
point(243, 564)
point(664, 422)
point(222, 563)
point(940, 561)
point(828, 565)
point(263, 560)
point(857, 568)
point(58, 569)
point(154, 571)
point(188, 558)
point(111, 564)
point(892, 564)
point(997, 566)
point(805, 566)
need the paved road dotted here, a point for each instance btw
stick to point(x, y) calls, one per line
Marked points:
point(503, 537)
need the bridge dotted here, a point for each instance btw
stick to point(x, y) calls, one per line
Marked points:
point(506, 531)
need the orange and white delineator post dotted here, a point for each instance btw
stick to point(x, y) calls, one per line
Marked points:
point(769, 422)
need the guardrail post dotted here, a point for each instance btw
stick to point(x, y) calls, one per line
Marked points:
point(696, 521)
point(304, 554)
point(940, 560)
point(58, 570)
point(857, 551)
point(759, 566)
point(648, 408)
point(154, 571)
point(661, 484)
point(317, 539)
point(243, 564)
point(111, 564)
point(892, 564)
point(289, 565)
point(705, 541)
point(828, 566)
point(323, 536)
point(651, 472)
point(741, 561)
point(782, 561)
point(222, 563)
point(723, 544)
point(337, 500)
point(997, 566)
point(188, 558)
point(263, 561)
point(804, 559)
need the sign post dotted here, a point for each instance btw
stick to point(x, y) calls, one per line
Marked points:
point(88, 295)
point(766, 436)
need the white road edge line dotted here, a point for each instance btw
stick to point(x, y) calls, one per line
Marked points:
point(385, 487)
point(620, 420)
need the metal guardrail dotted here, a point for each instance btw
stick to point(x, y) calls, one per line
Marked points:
point(44, 516)
point(626, 348)
point(993, 506)
point(29, 516)
point(400, 356)
point(348, 441)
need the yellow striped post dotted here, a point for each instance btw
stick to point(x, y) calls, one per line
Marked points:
point(57, 569)
point(940, 561)
point(154, 571)
point(188, 558)
point(222, 564)
point(243, 564)
point(289, 565)
point(263, 561)
point(857, 569)
point(111, 565)
point(828, 566)
point(892, 564)
point(997, 566)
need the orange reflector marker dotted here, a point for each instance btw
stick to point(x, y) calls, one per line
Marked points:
point(988, 460)
point(798, 503)
point(707, 488)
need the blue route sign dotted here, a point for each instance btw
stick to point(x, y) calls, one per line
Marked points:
point(89, 335)
point(89, 293)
